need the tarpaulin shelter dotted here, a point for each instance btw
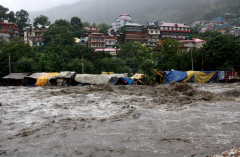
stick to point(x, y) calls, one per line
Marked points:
point(95, 79)
point(127, 80)
point(14, 79)
point(64, 78)
point(138, 76)
point(32, 79)
point(200, 76)
point(177, 76)
point(42, 80)
point(116, 81)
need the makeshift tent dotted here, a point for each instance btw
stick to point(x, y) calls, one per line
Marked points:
point(127, 80)
point(200, 77)
point(116, 81)
point(95, 79)
point(221, 75)
point(177, 76)
point(64, 78)
point(85, 78)
point(42, 80)
point(31, 79)
point(138, 76)
point(14, 79)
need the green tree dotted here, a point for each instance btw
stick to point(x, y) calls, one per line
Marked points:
point(221, 53)
point(86, 24)
point(22, 19)
point(77, 27)
point(4, 15)
point(146, 61)
point(16, 49)
point(94, 24)
point(42, 20)
point(104, 28)
point(62, 22)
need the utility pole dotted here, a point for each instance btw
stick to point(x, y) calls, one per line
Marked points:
point(192, 60)
point(202, 59)
point(82, 66)
point(9, 64)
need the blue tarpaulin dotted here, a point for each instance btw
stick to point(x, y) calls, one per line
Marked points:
point(128, 81)
point(177, 76)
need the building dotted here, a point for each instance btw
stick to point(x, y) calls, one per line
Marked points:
point(135, 32)
point(121, 21)
point(195, 42)
point(8, 30)
point(153, 34)
point(33, 35)
point(110, 41)
point(112, 51)
point(96, 40)
point(92, 29)
point(176, 31)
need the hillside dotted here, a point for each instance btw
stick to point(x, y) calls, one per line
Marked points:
point(142, 11)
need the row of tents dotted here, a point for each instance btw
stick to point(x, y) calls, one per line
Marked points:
point(71, 78)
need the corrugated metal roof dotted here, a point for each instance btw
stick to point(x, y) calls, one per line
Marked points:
point(132, 24)
point(17, 76)
point(36, 75)
point(174, 25)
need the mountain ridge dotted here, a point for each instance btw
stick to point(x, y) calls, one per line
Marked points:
point(99, 11)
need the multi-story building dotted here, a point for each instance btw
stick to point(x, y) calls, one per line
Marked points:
point(121, 21)
point(8, 30)
point(92, 29)
point(96, 40)
point(195, 42)
point(136, 32)
point(153, 34)
point(176, 31)
point(33, 35)
point(110, 41)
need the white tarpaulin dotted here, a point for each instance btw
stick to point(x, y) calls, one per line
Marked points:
point(95, 79)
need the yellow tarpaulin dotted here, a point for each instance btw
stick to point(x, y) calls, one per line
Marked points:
point(138, 76)
point(42, 81)
point(199, 77)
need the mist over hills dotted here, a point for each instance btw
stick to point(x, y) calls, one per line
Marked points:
point(142, 11)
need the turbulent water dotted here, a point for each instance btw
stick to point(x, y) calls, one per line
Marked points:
point(165, 120)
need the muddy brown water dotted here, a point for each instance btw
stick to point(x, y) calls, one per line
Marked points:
point(165, 120)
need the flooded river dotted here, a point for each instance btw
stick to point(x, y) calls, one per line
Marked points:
point(174, 120)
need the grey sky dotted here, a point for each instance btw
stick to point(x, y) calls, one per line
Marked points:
point(33, 5)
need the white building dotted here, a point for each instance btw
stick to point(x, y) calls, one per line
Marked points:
point(121, 21)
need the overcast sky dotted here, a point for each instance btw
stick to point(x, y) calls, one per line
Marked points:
point(33, 5)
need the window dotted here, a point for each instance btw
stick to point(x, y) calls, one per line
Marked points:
point(151, 31)
point(156, 31)
point(132, 28)
point(168, 28)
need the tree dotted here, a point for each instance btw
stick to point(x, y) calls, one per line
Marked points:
point(4, 15)
point(17, 49)
point(22, 19)
point(42, 20)
point(103, 28)
point(94, 24)
point(76, 21)
point(86, 24)
point(221, 53)
point(77, 27)
point(62, 22)
point(146, 61)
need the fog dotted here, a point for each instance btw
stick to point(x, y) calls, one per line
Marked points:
point(30, 5)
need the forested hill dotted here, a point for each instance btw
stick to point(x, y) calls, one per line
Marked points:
point(142, 11)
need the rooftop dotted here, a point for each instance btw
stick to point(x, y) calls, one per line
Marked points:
point(174, 25)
